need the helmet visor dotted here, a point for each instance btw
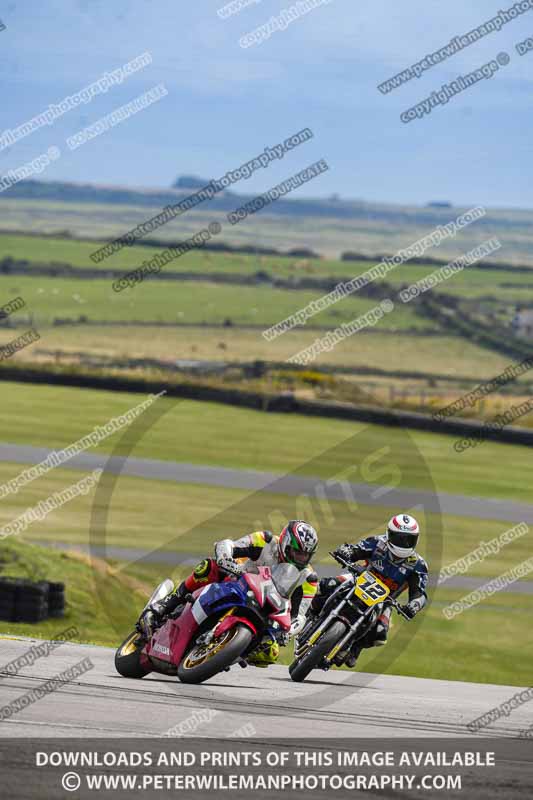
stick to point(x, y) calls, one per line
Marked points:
point(298, 556)
point(404, 540)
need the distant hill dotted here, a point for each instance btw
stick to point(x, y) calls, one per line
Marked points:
point(224, 201)
point(189, 182)
point(329, 226)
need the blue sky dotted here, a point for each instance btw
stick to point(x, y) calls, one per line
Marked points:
point(226, 103)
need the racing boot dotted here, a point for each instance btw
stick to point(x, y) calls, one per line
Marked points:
point(382, 628)
point(155, 615)
point(354, 655)
point(172, 603)
point(267, 652)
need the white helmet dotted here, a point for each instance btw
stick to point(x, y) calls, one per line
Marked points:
point(402, 535)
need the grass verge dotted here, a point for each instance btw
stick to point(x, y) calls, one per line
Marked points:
point(86, 609)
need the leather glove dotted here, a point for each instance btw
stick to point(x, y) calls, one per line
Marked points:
point(345, 551)
point(283, 639)
point(411, 609)
point(230, 565)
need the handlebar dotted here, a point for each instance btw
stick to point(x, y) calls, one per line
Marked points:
point(341, 560)
point(357, 571)
point(396, 605)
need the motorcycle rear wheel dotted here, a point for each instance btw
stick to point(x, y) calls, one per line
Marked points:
point(301, 667)
point(202, 663)
point(128, 657)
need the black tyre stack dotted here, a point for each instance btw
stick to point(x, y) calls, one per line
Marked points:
point(56, 599)
point(8, 588)
point(30, 601)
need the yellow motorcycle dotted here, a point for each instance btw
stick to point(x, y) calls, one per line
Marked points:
point(346, 618)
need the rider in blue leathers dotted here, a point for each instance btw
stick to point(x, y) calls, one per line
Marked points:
point(393, 557)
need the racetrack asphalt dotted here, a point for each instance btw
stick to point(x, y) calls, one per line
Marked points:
point(441, 502)
point(347, 704)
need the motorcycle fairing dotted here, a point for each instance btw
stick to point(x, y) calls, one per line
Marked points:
point(219, 597)
point(283, 620)
point(230, 621)
point(265, 591)
point(170, 640)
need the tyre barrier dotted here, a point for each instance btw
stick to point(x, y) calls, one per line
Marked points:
point(28, 601)
point(56, 599)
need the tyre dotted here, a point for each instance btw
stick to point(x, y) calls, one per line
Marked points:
point(56, 602)
point(10, 584)
point(56, 588)
point(56, 599)
point(31, 602)
point(30, 612)
point(31, 618)
point(7, 608)
point(22, 600)
point(128, 657)
point(202, 662)
point(29, 591)
point(301, 667)
point(7, 599)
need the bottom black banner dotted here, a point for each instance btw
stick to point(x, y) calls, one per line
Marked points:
point(197, 768)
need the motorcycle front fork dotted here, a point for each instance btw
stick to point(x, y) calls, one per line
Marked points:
point(334, 614)
point(318, 631)
point(344, 641)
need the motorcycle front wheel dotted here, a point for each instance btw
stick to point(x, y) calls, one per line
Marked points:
point(301, 667)
point(203, 661)
point(128, 657)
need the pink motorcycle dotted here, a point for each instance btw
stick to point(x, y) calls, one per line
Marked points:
point(220, 625)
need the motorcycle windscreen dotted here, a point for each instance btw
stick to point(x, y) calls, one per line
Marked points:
point(285, 578)
point(160, 592)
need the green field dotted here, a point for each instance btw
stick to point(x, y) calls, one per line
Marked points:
point(85, 323)
point(193, 302)
point(77, 253)
point(445, 355)
point(446, 366)
point(367, 228)
point(470, 283)
point(479, 645)
point(57, 416)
